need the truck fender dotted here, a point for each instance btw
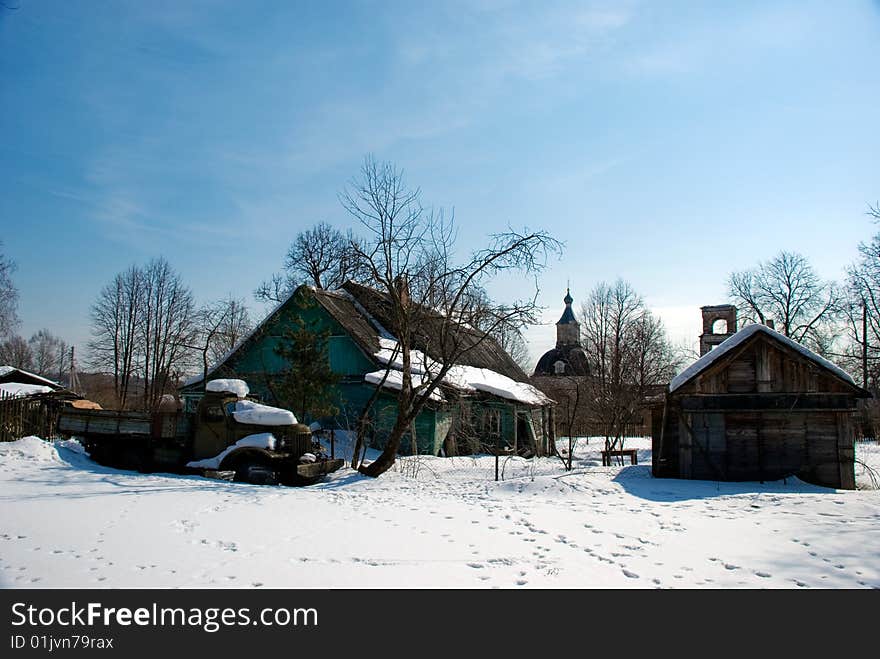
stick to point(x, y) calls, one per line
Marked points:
point(245, 453)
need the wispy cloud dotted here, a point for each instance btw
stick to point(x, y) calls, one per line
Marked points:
point(704, 45)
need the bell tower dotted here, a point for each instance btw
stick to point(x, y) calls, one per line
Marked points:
point(568, 329)
point(719, 324)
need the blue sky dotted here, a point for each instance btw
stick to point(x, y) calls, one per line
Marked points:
point(666, 143)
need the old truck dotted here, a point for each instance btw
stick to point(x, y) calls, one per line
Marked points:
point(230, 435)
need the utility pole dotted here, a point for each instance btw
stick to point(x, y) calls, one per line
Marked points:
point(74, 380)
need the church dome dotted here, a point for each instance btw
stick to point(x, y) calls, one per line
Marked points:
point(568, 357)
point(563, 361)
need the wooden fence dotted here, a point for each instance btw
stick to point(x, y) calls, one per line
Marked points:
point(31, 415)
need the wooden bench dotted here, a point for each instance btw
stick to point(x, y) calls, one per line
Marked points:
point(631, 452)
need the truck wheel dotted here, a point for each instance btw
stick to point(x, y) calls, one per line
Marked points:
point(256, 472)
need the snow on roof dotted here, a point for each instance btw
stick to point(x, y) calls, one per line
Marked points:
point(465, 378)
point(22, 390)
point(394, 380)
point(247, 411)
point(232, 386)
point(490, 382)
point(738, 339)
point(6, 370)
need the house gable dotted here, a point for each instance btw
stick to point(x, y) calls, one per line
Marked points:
point(760, 360)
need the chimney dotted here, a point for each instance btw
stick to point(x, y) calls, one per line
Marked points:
point(769, 322)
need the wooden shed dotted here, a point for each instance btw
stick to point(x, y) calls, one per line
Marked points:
point(759, 406)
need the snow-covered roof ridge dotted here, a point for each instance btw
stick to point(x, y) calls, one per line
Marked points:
point(383, 333)
point(738, 339)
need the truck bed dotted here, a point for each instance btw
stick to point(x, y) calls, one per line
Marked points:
point(93, 423)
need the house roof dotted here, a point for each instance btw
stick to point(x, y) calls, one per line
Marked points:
point(13, 374)
point(479, 349)
point(364, 313)
point(738, 339)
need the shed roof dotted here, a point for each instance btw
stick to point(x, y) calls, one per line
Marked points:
point(738, 339)
point(13, 374)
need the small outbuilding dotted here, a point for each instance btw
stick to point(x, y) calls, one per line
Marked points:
point(758, 406)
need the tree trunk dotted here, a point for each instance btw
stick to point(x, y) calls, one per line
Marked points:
point(384, 462)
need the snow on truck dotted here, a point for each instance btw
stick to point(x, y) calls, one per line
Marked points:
point(229, 434)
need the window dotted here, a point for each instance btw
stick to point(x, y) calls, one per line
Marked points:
point(492, 424)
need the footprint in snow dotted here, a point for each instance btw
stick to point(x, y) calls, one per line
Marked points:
point(631, 575)
point(763, 575)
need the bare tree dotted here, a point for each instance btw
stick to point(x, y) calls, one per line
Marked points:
point(408, 252)
point(321, 256)
point(49, 354)
point(508, 335)
point(218, 329)
point(116, 341)
point(8, 297)
point(570, 395)
point(141, 324)
point(512, 342)
point(629, 353)
point(862, 310)
point(16, 352)
point(787, 290)
point(235, 324)
point(166, 325)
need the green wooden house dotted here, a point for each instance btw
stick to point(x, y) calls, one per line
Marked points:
point(355, 318)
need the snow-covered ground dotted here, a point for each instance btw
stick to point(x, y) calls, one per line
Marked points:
point(433, 522)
